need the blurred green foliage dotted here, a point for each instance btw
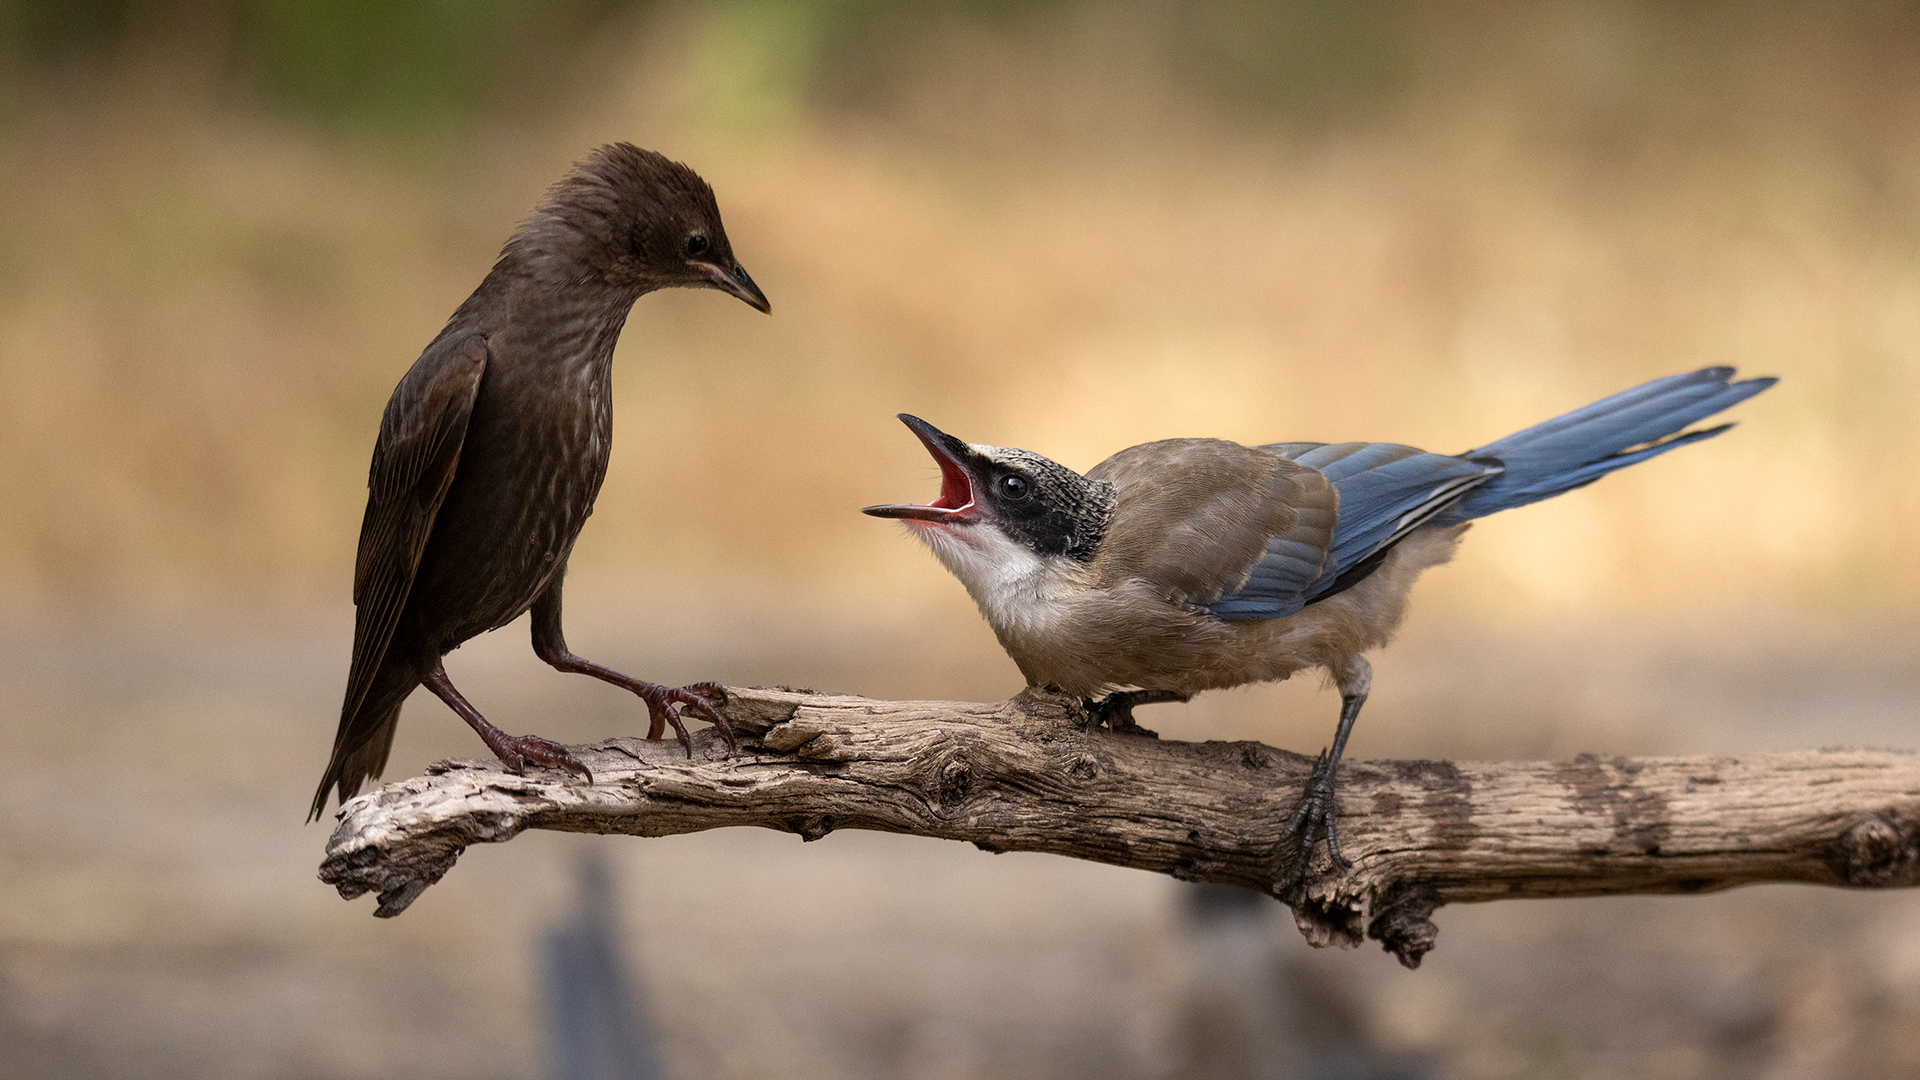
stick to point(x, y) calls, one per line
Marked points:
point(1289, 61)
point(400, 60)
point(409, 66)
point(1309, 60)
point(397, 65)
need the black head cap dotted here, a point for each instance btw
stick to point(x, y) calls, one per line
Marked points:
point(1044, 505)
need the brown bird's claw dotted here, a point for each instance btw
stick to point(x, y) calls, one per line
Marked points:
point(516, 751)
point(700, 698)
point(1312, 821)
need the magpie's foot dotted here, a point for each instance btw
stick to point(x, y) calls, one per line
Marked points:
point(1116, 709)
point(1313, 820)
point(1116, 712)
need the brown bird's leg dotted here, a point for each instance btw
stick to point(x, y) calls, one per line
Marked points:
point(551, 645)
point(514, 751)
point(1314, 818)
point(1116, 709)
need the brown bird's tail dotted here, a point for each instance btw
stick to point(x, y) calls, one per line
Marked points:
point(365, 738)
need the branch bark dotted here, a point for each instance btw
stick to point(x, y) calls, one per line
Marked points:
point(1024, 775)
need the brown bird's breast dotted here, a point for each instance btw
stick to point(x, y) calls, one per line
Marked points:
point(536, 452)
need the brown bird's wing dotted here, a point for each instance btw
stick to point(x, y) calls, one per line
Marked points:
point(1194, 516)
point(413, 465)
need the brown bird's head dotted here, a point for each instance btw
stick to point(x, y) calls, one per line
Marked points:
point(639, 221)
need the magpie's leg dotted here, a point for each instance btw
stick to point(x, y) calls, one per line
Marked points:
point(1313, 819)
point(1116, 709)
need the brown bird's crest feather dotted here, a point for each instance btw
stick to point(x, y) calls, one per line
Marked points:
point(617, 210)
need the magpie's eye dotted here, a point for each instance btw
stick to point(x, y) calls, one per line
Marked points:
point(697, 244)
point(1013, 487)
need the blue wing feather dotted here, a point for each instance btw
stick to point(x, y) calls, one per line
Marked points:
point(1278, 584)
point(1387, 490)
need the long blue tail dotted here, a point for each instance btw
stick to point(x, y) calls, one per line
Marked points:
point(1569, 451)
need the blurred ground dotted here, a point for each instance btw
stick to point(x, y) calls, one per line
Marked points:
point(226, 228)
point(162, 918)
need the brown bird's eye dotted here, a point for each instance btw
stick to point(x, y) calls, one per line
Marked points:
point(1014, 488)
point(697, 244)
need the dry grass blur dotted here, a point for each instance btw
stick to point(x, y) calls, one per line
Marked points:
point(1035, 239)
point(1063, 228)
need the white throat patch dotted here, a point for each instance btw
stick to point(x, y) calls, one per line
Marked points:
point(1015, 587)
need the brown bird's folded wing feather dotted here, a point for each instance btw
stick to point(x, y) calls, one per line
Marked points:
point(1195, 515)
point(413, 465)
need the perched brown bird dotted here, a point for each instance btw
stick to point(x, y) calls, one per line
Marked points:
point(494, 445)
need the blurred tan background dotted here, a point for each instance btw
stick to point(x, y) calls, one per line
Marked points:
point(228, 226)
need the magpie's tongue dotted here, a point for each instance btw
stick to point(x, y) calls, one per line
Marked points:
point(956, 487)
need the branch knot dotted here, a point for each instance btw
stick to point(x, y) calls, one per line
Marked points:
point(1874, 852)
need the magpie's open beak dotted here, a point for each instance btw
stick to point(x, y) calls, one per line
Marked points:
point(734, 280)
point(954, 505)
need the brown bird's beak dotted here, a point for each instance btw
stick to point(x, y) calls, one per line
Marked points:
point(734, 280)
point(955, 502)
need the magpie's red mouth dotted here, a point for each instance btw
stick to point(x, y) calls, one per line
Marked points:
point(954, 505)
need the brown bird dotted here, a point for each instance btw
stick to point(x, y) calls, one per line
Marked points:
point(494, 445)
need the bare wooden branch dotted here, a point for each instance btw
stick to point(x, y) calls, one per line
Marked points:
point(1024, 775)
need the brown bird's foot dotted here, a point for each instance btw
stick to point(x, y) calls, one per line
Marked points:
point(1313, 820)
point(703, 699)
point(515, 751)
point(1116, 710)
